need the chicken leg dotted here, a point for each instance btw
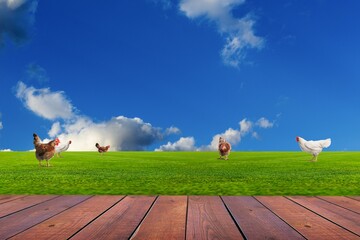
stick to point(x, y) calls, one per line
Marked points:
point(314, 159)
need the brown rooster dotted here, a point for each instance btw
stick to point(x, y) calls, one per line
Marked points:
point(224, 148)
point(43, 151)
point(102, 149)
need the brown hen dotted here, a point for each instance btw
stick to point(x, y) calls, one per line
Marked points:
point(224, 148)
point(102, 149)
point(43, 151)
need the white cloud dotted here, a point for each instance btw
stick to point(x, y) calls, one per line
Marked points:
point(255, 135)
point(214, 9)
point(1, 124)
point(264, 123)
point(55, 129)
point(233, 136)
point(44, 103)
point(172, 130)
point(238, 33)
point(16, 16)
point(245, 126)
point(6, 150)
point(121, 133)
point(183, 144)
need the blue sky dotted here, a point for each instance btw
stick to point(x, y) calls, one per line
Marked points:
point(176, 75)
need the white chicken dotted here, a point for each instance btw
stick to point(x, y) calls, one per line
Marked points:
point(61, 148)
point(313, 147)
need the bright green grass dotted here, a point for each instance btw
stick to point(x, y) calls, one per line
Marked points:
point(182, 173)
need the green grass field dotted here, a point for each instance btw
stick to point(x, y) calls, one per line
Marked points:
point(182, 173)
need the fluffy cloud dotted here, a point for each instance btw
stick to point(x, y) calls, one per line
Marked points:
point(213, 9)
point(264, 123)
point(245, 126)
point(255, 135)
point(238, 33)
point(55, 130)
point(44, 103)
point(16, 16)
point(6, 150)
point(233, 136)
point(172, 130)
point(183, 144)
point(121, 133)
point(1, 124)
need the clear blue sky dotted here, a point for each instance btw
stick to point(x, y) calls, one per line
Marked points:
point(174, 75)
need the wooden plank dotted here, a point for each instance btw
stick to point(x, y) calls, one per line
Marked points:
point(258, 222)
point(8, 198)
point(22, 203)
point(344, 202)
point(20, 221)
point(120, 221)
point(355, 197)
point(209, 219)
point(343, 217)
point(309, 224)
point(166, 220)
point(67, 223)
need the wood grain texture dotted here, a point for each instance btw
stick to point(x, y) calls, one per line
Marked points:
point(341, 216)
point(20, 221)
point(179, 217)
point(120, 221)
point(355, 197)
point(258, 222)
point(309, 224)
point(8, 198)
point(22, 203)
point(67, 223)
point(344, 202)
point(166, 219)
point(209, 219)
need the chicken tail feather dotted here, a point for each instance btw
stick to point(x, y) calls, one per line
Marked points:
point(326, 143)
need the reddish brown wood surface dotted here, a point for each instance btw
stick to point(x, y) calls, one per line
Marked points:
point(179, 217)
point(209, 219)
point(67, 223)
point(20, 221)
point(345, 202)
point(120, 221)
point(355, 197)
point(309, 224)
point(22, 203)
point(341, 216)
point(7, 198)
point(258, 222)
point(166, 219)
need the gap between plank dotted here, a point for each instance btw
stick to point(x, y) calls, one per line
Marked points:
point(232, 217)
point(323, 217)
point(142, 220)
point(52, 215)
point(29, 206)
point(279, 217)
point(96, 217)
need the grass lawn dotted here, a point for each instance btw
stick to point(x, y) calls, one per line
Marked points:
point(182, 173)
